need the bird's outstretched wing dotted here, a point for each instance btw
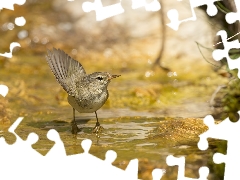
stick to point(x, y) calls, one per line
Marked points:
point(66, 70)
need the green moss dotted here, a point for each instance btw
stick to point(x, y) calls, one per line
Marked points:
point(231, 100)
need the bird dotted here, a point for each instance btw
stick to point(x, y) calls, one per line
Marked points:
point(86, 92)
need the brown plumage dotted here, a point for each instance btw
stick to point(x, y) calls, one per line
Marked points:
point(86, 92)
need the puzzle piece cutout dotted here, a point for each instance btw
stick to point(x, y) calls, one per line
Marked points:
point(9, 4)
point(14, 156)
point(22, 158)
point(19, 21)
point(180, 162)
point(116, 9)
point(226, 130)
point(152, 6)
point(232, 17)
point(21, 145)
point(102, 12)
point(174, 16)
point(219, 54)
point(58, 149)
point(103, 169)
point(158, 173)
point(12, 46)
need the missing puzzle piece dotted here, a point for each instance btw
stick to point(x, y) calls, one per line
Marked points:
point(152, 6)
point(173, 14)
point(22, 148)
point(21, 158)
point(58, 149)
point(17, 159)
point(229, 131)
point(102, 12)
point(12, 46)
point(158, 173)
point(232, 17)
point(9, 4)
point(219, 54)
point(94, 168)
point(180, 162)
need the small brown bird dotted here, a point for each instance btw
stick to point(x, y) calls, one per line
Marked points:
point(86, 92)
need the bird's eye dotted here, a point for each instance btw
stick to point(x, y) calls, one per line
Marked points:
point(99, 78)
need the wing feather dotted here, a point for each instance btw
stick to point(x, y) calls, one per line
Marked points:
point(66, 70)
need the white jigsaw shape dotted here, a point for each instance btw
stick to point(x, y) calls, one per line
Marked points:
point(16, 159)
point(152, 6)
point(174, 16)
point(95, 168)
point(180, 162)
point(23, 147)
point(219, 54)
point(12, 46)
point(116, 9)
point(21, 161)
point(158, 173)
point(232, 17)
point(102, 12)
point(58, 149)
point(8, 4)
point(229, 131)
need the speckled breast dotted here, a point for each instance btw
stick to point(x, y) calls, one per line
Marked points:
point(88, 105)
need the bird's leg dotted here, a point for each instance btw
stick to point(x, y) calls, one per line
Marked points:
point(97, 127)
point(75, 129)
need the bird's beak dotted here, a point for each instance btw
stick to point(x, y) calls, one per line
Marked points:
point(113, 76)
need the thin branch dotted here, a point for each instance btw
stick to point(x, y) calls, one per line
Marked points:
point(157, 61)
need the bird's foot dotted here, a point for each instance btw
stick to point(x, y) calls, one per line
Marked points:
point(75, 128)
point(98, 128)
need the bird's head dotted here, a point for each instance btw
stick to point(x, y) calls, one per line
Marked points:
point(101, 79)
